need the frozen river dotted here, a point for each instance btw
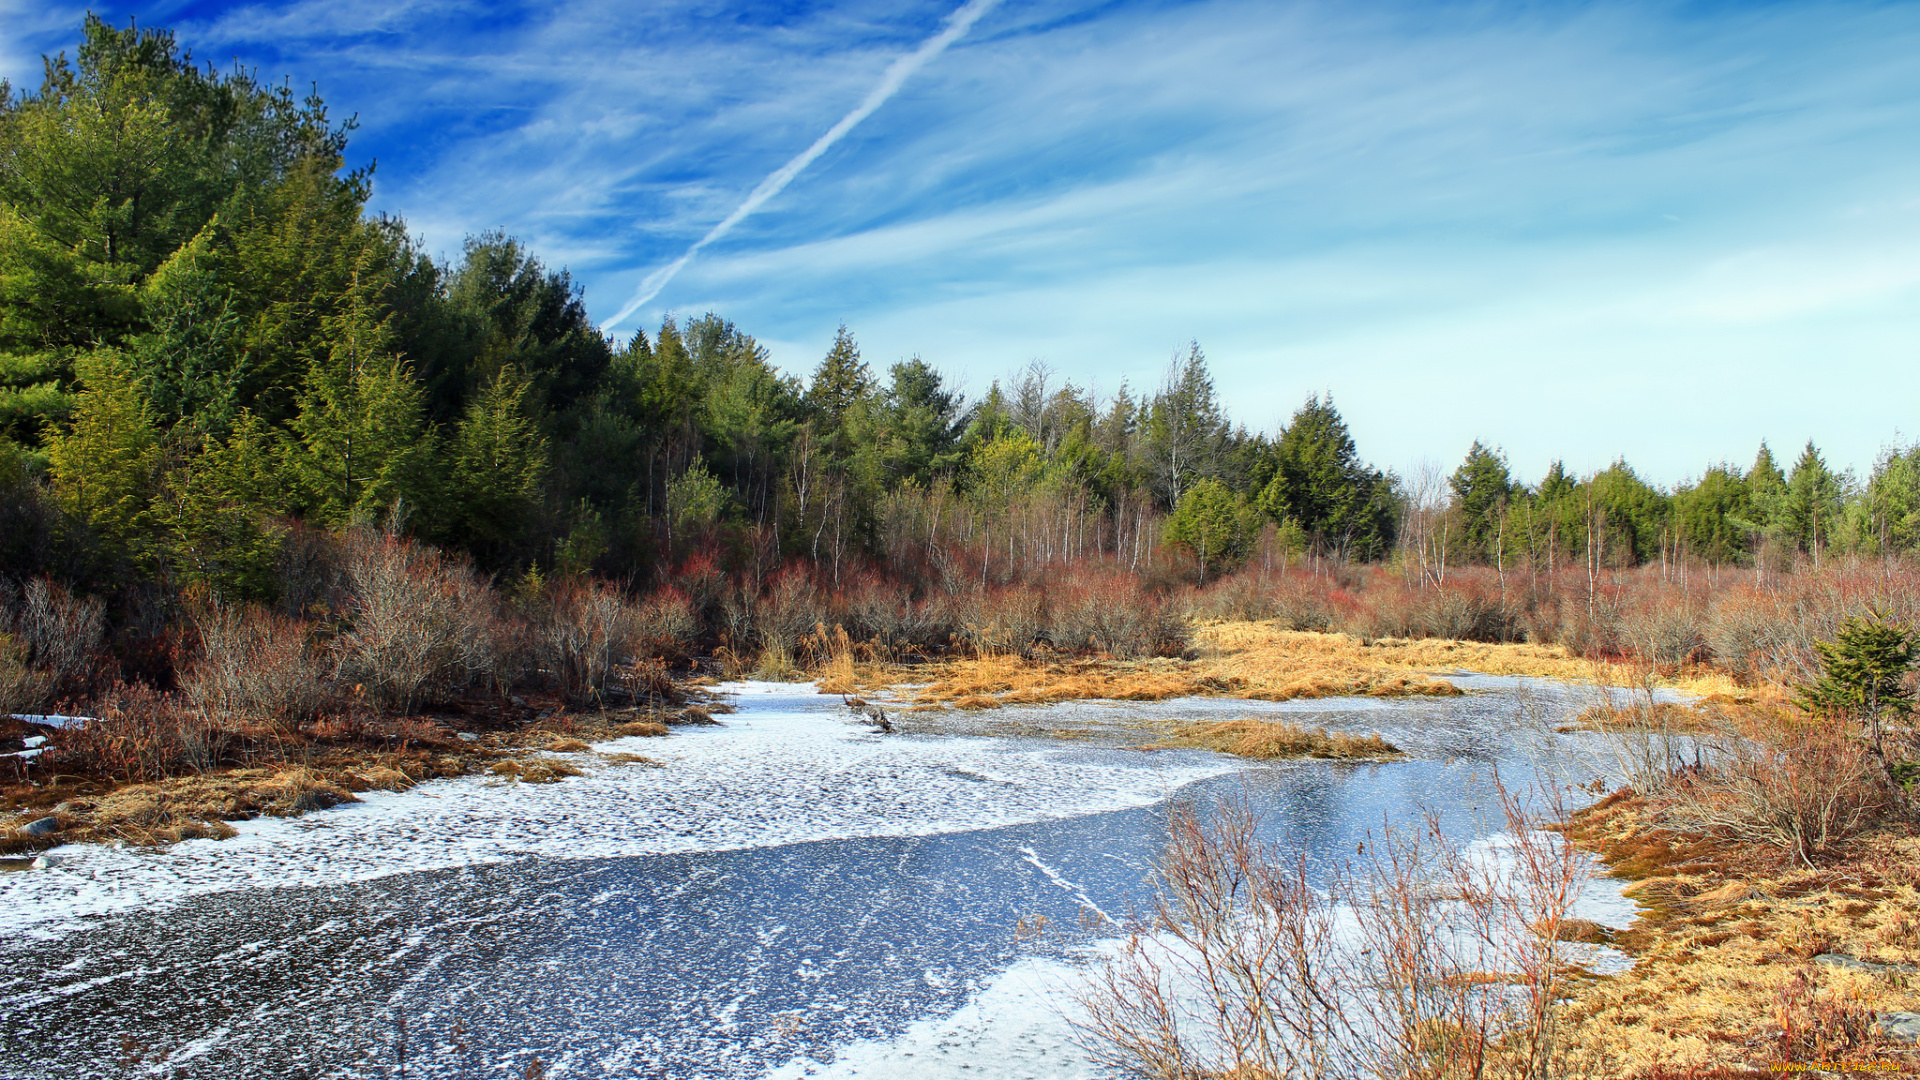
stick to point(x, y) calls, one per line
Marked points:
point(789, 896)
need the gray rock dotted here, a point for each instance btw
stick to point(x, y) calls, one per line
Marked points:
point(1835, 960)
point(45, 826)
point(45, 862)
point(467, 736)
point(1900, 1026)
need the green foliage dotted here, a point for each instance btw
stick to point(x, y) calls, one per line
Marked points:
point(1184, 430)
point(1865, 668)
point(361, 449)
point(1481, 489)
point(695, 502)
point(1811, 505)
point(1709, 515)
point(217, 512)
point(1214, 525)
point(105, 468)
point(496, 461)
point(1321, 486)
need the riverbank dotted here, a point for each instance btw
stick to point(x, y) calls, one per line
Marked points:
point(286, 773)
point(1748, 959)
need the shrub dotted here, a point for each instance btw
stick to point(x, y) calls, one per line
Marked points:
point(420, 626)
point(63, 636)
point(584, 634)
point(667, 624)
point(254, 664)
point(22, 689)
point(1803, 789)
point(140, 734)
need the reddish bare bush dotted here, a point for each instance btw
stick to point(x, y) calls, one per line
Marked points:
point(1426, 963)
point(667, 624)
point(1803, 788)
point(140, 734)
point(787, 611)
point(255, 665)
point(420, 625)
point(63, 635)
point(583, 633)
point(22, 689)
point(1107, 611)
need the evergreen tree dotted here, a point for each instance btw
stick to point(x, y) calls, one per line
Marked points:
point(1892, 503)
point(1709, 514)
point(1320, 484)
point(1481, 487)
point(1865, 678)
point(1214, 525)
point(217, 512)
point(497, 458)
point(1184, 428)
point(362, 448)
point(105, 469)
point(841, 386)
point(925, 421)
point(1811, 506)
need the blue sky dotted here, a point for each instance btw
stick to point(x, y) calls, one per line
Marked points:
point(1574, 230)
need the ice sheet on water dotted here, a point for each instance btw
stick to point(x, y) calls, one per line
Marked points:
point(786, 768)
point(1018, 1025)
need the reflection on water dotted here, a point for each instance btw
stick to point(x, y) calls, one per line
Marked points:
point(702, 963)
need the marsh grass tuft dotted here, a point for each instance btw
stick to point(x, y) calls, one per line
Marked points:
point(1251, 737)
point(537, 771)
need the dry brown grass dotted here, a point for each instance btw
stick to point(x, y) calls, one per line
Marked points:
point(1256, 660)
point(1265, 739)
point(1664, 715)
point(186, 808)
point(536, 771)
point(1247, 660)
point(1724, 978)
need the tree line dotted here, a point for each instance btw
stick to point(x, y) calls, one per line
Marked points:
point(205, 337)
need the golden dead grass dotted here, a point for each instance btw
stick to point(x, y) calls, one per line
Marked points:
point(1246, 660)
point(1251, 737)
point(1724, 977)
point(536, 771)
point(1662, 716)
point(194, 807)
point(1256, 660)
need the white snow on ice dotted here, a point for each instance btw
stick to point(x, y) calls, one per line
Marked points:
point(786, 768)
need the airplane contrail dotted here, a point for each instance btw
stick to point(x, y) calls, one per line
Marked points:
point(957, 25)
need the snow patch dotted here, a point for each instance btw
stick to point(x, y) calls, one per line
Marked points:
point(782, 770)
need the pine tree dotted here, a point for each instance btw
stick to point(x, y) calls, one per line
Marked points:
point(1864, 678)
point(104, 468)
point(217, 512)
point(1810, 508)
point(497, 459)
point(362, 447)
point(840, 386)
point(1321, 485)
point(1481, 487)
point(1184, 428)
point(1214, 525)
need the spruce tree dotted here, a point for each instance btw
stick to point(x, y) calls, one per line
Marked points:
point(496, 460)
point(362, 449)
point(105, 467)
